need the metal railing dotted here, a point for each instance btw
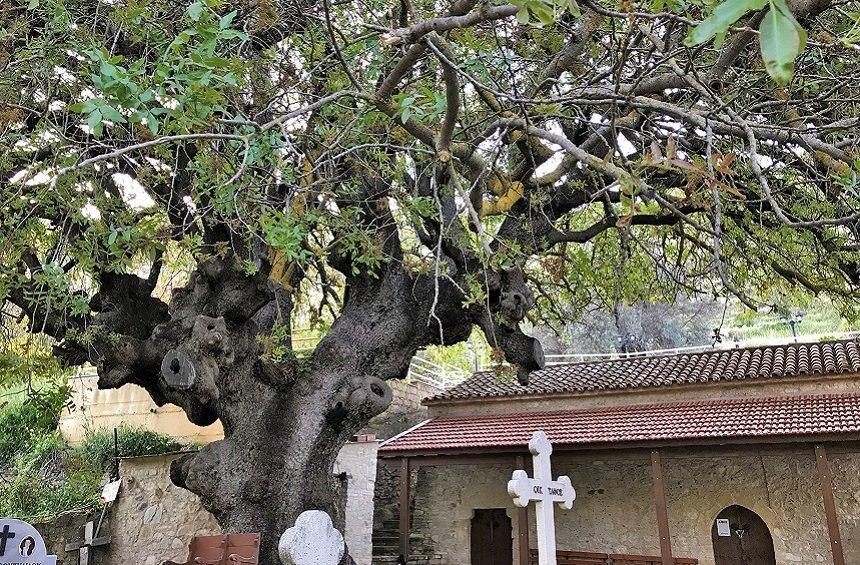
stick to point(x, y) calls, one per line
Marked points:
point(435, 374)
point(566, 358)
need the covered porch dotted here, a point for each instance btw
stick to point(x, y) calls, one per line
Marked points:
point(652, 481)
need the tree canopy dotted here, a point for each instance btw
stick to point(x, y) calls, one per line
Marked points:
point(397, 173)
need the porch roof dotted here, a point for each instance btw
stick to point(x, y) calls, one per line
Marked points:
point(675, 422)
point(787, 361)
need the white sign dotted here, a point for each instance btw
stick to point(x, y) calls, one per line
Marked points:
point(545, 492)
point(21, 544)
point(110, 492)
point(723, 529)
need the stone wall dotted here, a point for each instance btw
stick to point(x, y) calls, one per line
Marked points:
point(614, 510)
point(845, 469)
point(406, 409)
point(154, 520)
point(68, 528)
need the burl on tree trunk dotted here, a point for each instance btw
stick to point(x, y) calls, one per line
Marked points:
point(285, 419)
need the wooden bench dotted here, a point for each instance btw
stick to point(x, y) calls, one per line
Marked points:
point(594, 558)
point(226, 549)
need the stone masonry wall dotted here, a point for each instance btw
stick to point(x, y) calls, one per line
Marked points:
point(405, 411)
point(845, 469)
point(154, 520)
point(614, 510)
point(68, 528)
point(358, 461)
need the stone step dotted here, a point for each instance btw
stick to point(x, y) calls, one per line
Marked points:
point(392, 546)
point(385, 548)
point(394, 535)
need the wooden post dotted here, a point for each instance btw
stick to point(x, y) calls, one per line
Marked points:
point(662, 511)
point(829, 504)
point(405, 481)
point(523, 523)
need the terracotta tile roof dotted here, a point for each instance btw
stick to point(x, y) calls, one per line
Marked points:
point(694, 420)
point(790, 360)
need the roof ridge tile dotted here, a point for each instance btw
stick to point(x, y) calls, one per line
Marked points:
point(793, 360)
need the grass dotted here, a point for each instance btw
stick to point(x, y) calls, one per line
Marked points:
point(818, 319)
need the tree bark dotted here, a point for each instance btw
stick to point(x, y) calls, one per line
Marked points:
point(284, 423)
point(275, 462)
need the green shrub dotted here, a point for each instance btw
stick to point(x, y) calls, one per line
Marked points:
point(40, 476)
point(98, 446)
point(26, 417)
point(49, 479)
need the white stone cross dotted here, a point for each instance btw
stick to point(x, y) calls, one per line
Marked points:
point(545, 491)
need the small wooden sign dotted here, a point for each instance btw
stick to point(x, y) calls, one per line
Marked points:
point(21, 544)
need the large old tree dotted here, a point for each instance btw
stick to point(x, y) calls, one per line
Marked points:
point(182, 182)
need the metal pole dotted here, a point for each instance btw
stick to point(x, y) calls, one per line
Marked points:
point(115, 454)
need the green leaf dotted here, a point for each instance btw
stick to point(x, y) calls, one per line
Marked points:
point(227, 20)
point(84, 107)
point(782, 40)
point(33, 5)
point(95, 122)
point(110, 113)
point(195, 10)
point(722, 18)
point(543, 13)
point(107, 70)
point(523, 15)
point(152, 123)
point(573, 8)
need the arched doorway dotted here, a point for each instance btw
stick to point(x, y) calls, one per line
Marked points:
point(741, 537)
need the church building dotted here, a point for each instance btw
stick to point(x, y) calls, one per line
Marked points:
point(727, 456)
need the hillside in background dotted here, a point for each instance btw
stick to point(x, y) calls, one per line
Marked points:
point(656, 326)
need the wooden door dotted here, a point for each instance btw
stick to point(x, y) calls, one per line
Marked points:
point(492, 538)
point(749, 542)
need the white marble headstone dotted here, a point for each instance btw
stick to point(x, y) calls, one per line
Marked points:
point(20, 543)
point(312, 541)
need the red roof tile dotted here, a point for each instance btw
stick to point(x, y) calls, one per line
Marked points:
point(706, 419)
point(776, 361)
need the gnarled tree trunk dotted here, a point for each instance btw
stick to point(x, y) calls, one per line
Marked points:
point(276, 458)
point(285, 419)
